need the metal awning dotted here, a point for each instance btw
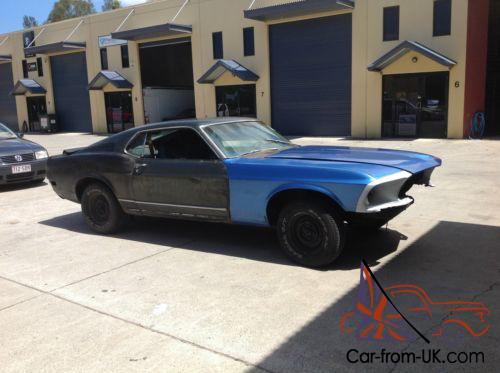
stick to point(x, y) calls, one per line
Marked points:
point(406, 47)
point(221, 66)
point(297, 9)
point(5, 58)
point(24, 86)
point(106, 77)
point(167, 29)
point(61, 46)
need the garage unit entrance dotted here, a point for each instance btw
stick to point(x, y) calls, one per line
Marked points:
point(71, 97)
point(8, 111)
point(167, 79)
point(311, 76)
point(415, 105)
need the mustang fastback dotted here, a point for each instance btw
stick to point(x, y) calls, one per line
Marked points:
point(240, 171)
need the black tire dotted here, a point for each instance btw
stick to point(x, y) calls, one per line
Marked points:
point(310, 234)
point(101, 210)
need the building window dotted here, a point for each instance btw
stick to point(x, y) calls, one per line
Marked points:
point(125, 58)
point(39, 66)
point(217, 44)
point(104, 59)
point(248, 42)
point(442, 17)
point(25, 69)
point(391, 23)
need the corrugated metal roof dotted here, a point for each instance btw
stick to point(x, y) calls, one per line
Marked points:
point(24, 86)
point(61, 46)
point(296, 8)
point(106, 77)
point(406, 47)
point(167, 29)
point(221, 66)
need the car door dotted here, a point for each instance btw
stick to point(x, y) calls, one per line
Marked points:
point(177, 174)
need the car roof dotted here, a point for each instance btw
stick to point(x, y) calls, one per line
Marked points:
point(194, 122)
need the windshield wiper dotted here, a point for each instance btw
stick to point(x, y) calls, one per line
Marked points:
point(278, 141)
point(257, 151)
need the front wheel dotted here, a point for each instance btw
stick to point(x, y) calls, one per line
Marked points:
point(101, 210)
point(310, 234)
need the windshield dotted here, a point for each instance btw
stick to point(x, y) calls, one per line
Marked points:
point(6, 133)
point(244, 138)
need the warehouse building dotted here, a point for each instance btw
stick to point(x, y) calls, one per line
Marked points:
point(363, 68)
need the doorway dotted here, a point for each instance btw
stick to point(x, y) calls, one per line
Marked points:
point(236, 101)
point(415, 105)
point(36, 107)
point(119, 111)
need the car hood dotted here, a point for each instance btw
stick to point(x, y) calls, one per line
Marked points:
point(17, 146)
point(403, 160)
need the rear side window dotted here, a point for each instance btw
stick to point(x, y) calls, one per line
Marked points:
point(391, 23)
point(178, 143)
point(442, 17)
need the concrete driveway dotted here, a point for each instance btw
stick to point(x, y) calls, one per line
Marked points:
point(179, 296)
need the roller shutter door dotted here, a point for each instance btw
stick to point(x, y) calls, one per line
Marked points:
point(311, 76)
point(8, 111)
point(71, 97)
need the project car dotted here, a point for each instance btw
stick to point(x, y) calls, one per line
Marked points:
point(240, 171)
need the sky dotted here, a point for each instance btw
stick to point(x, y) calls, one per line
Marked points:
point(12, 11)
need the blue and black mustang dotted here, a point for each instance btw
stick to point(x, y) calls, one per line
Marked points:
point(240, 171)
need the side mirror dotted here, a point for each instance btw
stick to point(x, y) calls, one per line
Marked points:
point(20, 135)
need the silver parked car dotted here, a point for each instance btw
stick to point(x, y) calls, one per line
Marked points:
point(20, 160)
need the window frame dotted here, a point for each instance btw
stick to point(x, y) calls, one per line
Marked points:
point(248, 41)
point(103, 53)
point(39, 66)
point(201, 134)
point(25, 69)
point(125, 56)
point(215, 50)
point(386, 14)
point(435, 20)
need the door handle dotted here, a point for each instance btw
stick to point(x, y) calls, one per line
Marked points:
point(139, 168)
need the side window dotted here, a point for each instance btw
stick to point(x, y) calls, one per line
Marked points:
point(138, 146)
point(248, 41)
point(104, 58)
point(183, 143)
point(391, 23)
point(217, 45)
point(442, 17)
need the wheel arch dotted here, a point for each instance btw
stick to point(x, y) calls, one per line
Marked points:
point(86, 181)
point(286, 194)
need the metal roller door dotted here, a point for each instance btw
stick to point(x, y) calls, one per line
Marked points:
point(71, 97)
point(8, 111)
point(311, 76)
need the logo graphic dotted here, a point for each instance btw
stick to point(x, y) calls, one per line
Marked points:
point(376, 316)
point(18, 158)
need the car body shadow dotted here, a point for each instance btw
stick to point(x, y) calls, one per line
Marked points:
point(453, 262)
point(19, 186)
point(247, 242)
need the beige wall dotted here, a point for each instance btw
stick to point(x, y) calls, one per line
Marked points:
point(207, 16)
point(415, 24)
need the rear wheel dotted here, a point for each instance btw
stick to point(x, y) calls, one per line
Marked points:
point(101, 210)
point(310, 234)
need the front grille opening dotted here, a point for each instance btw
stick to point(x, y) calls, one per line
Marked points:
point(11, 159)
point(20, 177)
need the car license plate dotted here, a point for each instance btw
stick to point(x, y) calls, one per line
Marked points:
point(21, 169)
